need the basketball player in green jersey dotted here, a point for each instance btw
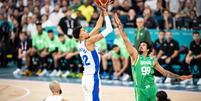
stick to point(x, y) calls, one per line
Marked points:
point(143, 68)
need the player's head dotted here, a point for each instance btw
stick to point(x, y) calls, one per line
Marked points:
point(161, 34)
point(196, 36)
point(145, 47)
point(162, 96)
point(51, 34)
point(61, 37)
point(116, 49)
point(55, 87)
point(169, 35)
point(22, 36)
point(39, 27)
point(80, 33)
point(117, 32)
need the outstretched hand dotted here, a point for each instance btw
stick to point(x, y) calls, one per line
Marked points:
point(103, 7)
point(117, 19)
point(186, 77)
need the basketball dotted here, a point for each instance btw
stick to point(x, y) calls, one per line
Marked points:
point(102, 2)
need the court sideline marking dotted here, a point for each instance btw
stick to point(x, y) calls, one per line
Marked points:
point(28, 92)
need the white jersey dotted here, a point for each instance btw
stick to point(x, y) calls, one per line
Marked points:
point(54, 98)
point(90, 59)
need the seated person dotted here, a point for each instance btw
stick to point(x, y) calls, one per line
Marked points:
point(38, 46)
point(64, 49)
point(56, 91)
point(168, 54)
point(102, 46)
point(94, 19)
point(125, 8)
point(193, 57)
point(157, 43)
point(75, 53)
point(116, 7)
point(24, 50)
point(131, 19)
point(167, 23)
point(50, 51)
point(149, 22)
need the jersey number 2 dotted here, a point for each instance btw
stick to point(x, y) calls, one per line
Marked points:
point(84, 60)
point(145, 70)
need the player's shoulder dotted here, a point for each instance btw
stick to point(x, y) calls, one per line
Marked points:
point(64, 99)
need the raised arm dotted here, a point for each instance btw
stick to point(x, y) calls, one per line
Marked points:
point(131, 50)
point(168, 73)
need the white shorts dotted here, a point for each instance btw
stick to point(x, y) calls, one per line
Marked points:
point(91, 86)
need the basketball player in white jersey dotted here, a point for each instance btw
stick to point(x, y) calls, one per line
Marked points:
point(90, 55)
point(56, 91)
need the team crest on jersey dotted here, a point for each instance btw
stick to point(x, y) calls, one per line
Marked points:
point(145, 62)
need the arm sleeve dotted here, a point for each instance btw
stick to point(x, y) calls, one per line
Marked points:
point(108, 27)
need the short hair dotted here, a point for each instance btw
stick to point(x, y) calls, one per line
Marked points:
point(50, 31)
point(114, 46)
point(166, 10)
point(149, 45)
point(196, 32)
point(162, 31)
point(38, 24)
point(53, 86)
point(3, 6)
point(162, 96)
point(69, 9)
point(60, 35)
point(76, 32)
point(169, 31)
point(23, 33)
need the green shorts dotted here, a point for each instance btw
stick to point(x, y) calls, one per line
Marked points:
point(146, 94)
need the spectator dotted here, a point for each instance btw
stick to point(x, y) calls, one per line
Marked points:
point(16, 31)
point(146, 6)
point(56, 16)
point(196, 3)
point(87, 10)
point(64, 3)
point(174, 6)
point(158, 43)
point(47, 9)
point(125, 8)
point(131, 19)
point(170, 52)
point(167, 23)
point(37, 4)
point(30, 5)
point(50, 51)
point(45, 21)
point(3, 10)
point(64, 10)
point(24, 2)
point(25, 15)
point(80, 16)
point(10, 5)
point(186, 11)
point(94, 19)
point(193, 57)
point(67, 24)
point(162, 96)
point(37, 46)
point(21, 7)
point(56, 91)
point(102, 46)
point(159, 10)
point(64, 49)
point(116, 8)
point(193, 14)
point(37, 13)
point(47, 2)
point(75, 6)
point(24, 49)
point(141, 33)
point(17, 15)
point(6, 27)
point(31, 28)
point(1, 17)
point(149, 22)
point(152, 5)
point(25, 25)
point(140, 7)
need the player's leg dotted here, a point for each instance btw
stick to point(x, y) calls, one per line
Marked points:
point(116, 63)
point(186, 72)
point(19, 65)
point(57, 64)
point(71, 64)
point(93, 87)
point(169, 68)
point(29, 54)
point(127, 74)
point(84, 88)
point(152, 91)
point(141, 94)
point(199, 68)
point(105, 59)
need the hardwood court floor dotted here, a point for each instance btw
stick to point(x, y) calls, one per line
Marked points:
point(21, 90)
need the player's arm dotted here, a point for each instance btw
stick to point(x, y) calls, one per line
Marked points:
point(131, 50)
point(169, 74)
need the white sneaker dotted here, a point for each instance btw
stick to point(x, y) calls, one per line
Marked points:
point(66, 74)
point(54, 72)
point(188, 81)
point(158, 79)
point(168, 80)
point(17, 71)
point(125, 77)
point(199, 82)
point(59, 73)
point(43, 73)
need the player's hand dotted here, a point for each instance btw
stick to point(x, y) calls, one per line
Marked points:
point(117, 19)
point(186, 77)
point(188, 59)
point(100, 7)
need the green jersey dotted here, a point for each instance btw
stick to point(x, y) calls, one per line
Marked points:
point(66, 46)
point(120, 43)
point(39, 41)
point(52, 44)
point(74, 44)
point(101, 44)
point(143, 70)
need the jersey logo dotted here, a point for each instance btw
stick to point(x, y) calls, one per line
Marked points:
point(145, 63)
point(82, 50)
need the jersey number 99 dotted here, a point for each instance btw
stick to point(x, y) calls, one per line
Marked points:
point(84, 60)
point(145, 70)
